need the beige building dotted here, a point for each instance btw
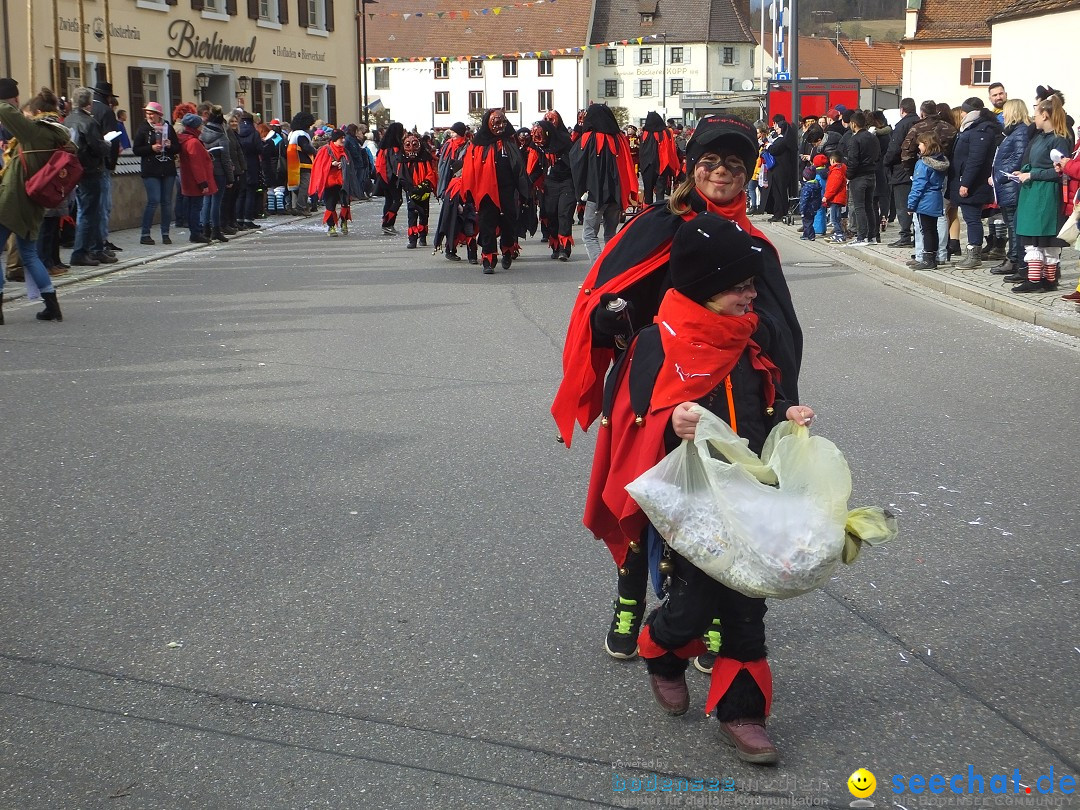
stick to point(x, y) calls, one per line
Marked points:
point(274, 57)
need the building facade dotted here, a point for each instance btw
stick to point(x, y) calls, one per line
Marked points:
point(274, 57)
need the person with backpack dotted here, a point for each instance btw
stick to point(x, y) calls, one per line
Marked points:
point(35, 139)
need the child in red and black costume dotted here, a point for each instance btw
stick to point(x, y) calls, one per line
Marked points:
point(559, 199)
point(702, 349)
point(327, 182)
point(418, 181)
point(493, 176)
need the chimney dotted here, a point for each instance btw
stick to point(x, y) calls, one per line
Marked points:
point(869, 42)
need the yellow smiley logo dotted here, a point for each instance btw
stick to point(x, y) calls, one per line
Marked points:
point(861, 783)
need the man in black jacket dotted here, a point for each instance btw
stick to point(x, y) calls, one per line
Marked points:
point(89, 250)
point(897, 175)
point(861, 159)
point(104, 112)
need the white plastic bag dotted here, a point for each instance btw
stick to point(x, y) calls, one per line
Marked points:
point(771, 526)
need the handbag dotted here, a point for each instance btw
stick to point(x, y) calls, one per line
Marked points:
point(1069, 231)
point(50, 185)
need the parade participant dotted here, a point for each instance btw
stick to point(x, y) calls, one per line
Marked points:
point(457, 216)
point(418, 182)
point(575, 134)
point(535, 168)
point(328, 179)
point(388, 175)
point(603, 175)
point(34, 138)
point(703, 350)
point(559, 199)
point(634, 139)
point(493, 175)
point(658, 159)
point(300, 154)
point(634, 267)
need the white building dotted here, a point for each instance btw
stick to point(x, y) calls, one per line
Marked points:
point(1052, 28)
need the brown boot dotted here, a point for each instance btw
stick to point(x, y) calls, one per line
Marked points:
point(671, 693)
point(751, 741)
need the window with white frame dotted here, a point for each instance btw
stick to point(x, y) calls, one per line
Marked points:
point(676, 55)
point(545, 100)
point(72, 78)
point(268, 10)
point(611, 56)
point(510, 68)
point(214, 5)
point(611, 88)
point(644, 56)
point(645, 87)
point(676, 87)
point(476, 69)
point(382, 78)
point(510, 101)
point(545, 67)
point(269, 99)
point(442, 70)
point(729, 56)
point(313, 103)
point(315, 16)
point(476, 100)
point(980, 71)
point(442, 101)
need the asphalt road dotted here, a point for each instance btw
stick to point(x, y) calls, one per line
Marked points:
point(286, 526)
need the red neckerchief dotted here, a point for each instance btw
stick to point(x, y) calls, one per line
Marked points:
point(700, 350)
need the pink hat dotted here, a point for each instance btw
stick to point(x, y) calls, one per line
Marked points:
point(153, 106)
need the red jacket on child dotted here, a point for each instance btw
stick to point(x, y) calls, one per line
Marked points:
point(836, 185)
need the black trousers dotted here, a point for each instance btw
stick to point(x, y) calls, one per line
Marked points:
point(498, 228)
point(900, 192)
point(391, 204)
point(929, 236)
point(654, 186)
point(559, 207)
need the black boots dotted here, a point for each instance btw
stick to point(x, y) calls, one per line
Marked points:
point(52, 309)
point(218, 236)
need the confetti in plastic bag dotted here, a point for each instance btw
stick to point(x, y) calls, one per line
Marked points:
point(775, 525)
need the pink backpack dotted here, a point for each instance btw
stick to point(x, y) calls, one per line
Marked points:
point(50, 185)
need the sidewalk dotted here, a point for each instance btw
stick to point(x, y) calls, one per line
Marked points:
point(976, 287)
point(132, 254)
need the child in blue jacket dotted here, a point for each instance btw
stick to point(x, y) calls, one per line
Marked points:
point(926, 197)
point(809, 202)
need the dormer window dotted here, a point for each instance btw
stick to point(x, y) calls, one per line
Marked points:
point(647, 11)
point(646, 18)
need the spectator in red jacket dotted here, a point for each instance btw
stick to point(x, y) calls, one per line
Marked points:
point(196, 173)
point(836, 194)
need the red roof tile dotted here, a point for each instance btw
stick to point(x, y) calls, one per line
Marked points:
point(546, 26)
point(819, 58)
point(880, 63)
point(949, 19)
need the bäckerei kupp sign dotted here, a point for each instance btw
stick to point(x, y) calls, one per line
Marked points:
point(188, 45)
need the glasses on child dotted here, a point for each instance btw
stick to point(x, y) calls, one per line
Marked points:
point(745, 287)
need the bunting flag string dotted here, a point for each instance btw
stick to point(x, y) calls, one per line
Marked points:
point(456, 14)
point(514, 55)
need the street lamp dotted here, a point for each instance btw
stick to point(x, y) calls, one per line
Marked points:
point(242, 82)
point(362, 34)
point(663, 78)
point(202, 81)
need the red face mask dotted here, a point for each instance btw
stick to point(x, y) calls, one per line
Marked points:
point(538, 136)
point(412, 145)
point(496, 123)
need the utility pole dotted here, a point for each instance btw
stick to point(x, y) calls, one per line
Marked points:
point(793, 62)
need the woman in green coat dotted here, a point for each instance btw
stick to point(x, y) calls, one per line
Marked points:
point(37, 135)
point(1041, 204)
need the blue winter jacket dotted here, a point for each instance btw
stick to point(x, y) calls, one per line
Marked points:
point(810, 197)
point(1008, 159)
point(972, 159)
point(928, 186)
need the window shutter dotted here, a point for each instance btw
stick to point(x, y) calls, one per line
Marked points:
point(619, 88)
point(135, 93)
point(301, 13)
point(600, 89)
point(331, 103)
point(619, 56)
point(253, 9)
point(734, 56)
point(170, 2)
point(99, 72)
point(230, 7)
point(637, 56)
point(965, 71)
point(176, 93)
point(637, 89)
point(686, 51)
point(304, 96)
point(286, 100)
point(329, 15)
point(196, 5)
point(256, 101)
point(283, 11)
